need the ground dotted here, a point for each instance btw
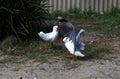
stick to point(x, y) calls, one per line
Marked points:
point(57, 68)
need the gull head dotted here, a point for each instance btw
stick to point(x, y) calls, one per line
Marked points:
point(40, 33)
point(55, 28)
point(59, 18)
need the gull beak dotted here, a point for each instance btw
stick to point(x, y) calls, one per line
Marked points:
point(57, 29)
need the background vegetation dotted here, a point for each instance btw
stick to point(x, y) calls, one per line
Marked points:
point(22, 18)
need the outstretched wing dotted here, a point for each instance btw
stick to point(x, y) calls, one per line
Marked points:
point(78, 35)
point(79, 44)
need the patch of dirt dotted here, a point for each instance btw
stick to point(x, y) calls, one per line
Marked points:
point(57, 70)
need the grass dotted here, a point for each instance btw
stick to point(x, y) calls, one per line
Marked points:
point(98, 52)
point(7, 60)
point(34, 50)
point(107, 25)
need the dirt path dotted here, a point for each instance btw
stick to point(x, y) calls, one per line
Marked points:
point(57, 70)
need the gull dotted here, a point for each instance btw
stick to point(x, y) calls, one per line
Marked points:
point(71, 40)
point(66, 28)
point(51, 36)
point(74, 49)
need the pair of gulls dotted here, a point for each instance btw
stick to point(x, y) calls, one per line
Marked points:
point(72, 41)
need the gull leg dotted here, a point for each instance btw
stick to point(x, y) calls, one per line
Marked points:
point(46, 48)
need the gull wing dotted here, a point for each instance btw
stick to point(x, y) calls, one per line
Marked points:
point(69, 45)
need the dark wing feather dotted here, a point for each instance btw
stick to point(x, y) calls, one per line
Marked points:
point(67, 30)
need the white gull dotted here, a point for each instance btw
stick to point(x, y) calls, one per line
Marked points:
point(51, 36)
